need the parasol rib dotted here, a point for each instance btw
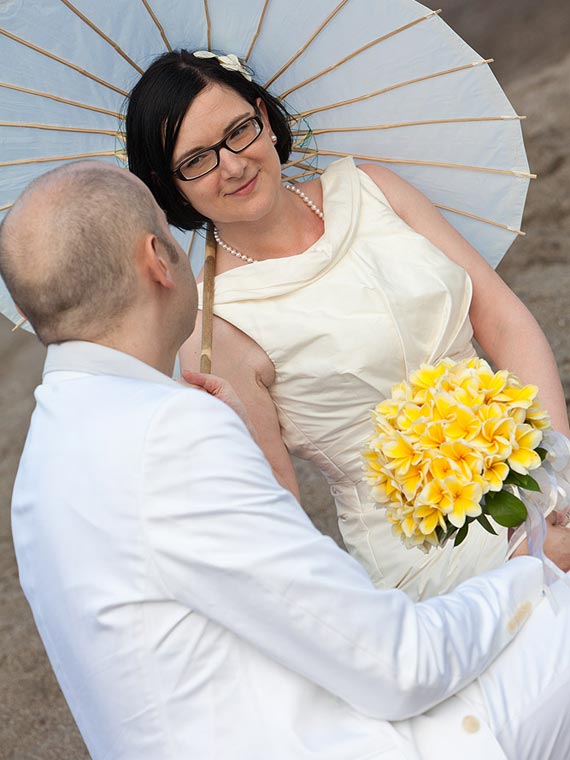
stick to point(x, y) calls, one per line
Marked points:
point(117, 48)
point(44, 160)
point(56, 58)
point(358, 52)
point(303, 133)
point(392, 87)
point(55, 128)
point(295, 162)
point(258, 30)
point(208, 301)
point(158, 25)
point(383, 160)
point(191, 243)
point(302, 49)
point(208, 24)
point(7, 206)
point(58, 99)
point(480, 219)
point(19, 323)
point(309, 170)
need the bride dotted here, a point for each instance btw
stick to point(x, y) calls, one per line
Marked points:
point(326, 295)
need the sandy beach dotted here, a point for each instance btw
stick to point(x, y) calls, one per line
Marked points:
point(529, 42)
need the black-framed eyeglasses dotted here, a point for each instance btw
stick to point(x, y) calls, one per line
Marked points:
point(240, 138)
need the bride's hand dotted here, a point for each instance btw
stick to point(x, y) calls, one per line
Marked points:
point(222, 390)
point(556, 544)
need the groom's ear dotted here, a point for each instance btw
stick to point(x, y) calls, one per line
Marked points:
point(155, 261)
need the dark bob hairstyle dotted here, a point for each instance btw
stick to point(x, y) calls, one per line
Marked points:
point(155, 111)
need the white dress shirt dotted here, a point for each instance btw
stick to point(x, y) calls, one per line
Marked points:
point(190, 609)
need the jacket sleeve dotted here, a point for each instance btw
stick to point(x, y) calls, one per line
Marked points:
point(228, 542)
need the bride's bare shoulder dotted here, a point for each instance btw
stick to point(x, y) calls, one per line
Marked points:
point(385, 178)
point(402, 196)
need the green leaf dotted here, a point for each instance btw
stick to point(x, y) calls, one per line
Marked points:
point(486, 524)
point(542, 453)
point(505, 508)
point(522, 481)
point(461, 534)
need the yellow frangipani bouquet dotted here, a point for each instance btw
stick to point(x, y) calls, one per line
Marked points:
point(446, 447)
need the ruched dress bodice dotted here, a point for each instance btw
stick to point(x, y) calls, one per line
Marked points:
point(342, 323)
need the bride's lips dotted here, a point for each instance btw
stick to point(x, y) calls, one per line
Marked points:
point(245, 189)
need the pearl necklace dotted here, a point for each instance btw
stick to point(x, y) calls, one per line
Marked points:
point(314, 208)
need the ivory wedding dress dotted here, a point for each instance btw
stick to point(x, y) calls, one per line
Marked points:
point(343, 322)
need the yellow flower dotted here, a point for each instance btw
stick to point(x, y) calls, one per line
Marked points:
point(524, 457)
point(517, 395)
point(441, 468)
point(494, 473)
point(386, 410)
point(401, 454)
point(537, 416)
point(495, 437)
point(408, 415)
point(491, 384)
point(466, 425)
point(384, 489)
point(432, 435)
point(433, 492)
point(430, 518)
point(469, 395)
point(461, 500)
point(427, 376)
point(411, 482)
point(465, 459)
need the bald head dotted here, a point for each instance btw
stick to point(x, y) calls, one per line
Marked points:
point(67, 249)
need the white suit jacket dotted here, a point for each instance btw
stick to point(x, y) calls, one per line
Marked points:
point(191, 610)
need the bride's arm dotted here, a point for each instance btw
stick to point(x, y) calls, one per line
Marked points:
point(240, 360)
point(502, 325)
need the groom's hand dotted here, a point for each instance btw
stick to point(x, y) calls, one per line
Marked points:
point(222, 390)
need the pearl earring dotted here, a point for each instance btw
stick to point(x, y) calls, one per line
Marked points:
point(274, 138)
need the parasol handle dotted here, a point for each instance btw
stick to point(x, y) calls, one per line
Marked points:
point(208, 301)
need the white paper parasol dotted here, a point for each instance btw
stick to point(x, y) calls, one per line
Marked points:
point(382, 80)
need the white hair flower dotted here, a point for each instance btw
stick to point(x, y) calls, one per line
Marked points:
point(229, 62)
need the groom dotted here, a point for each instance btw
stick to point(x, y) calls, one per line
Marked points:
point(188, 606)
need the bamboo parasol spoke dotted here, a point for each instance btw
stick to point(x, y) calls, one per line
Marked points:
point(58, 99)
point(191, 243)
point(357, 52)
point(414, 162)
point(302, 49)
point(208, 24)
point(59, 128)
point(480, 219)
point(392, 87)
point(297, 161)
point(208, 301)
point(7, 206)
point(102, 34)
point(257, 31)
point(48, 159)
point(303, 133)
point(70, 65)
point(307, 170)
point(19, 324)
point(158, 25)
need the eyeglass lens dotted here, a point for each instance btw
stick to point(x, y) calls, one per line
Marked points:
point(238, 140)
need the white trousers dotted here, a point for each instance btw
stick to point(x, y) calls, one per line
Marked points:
point(527, 689)
point(522, 699)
